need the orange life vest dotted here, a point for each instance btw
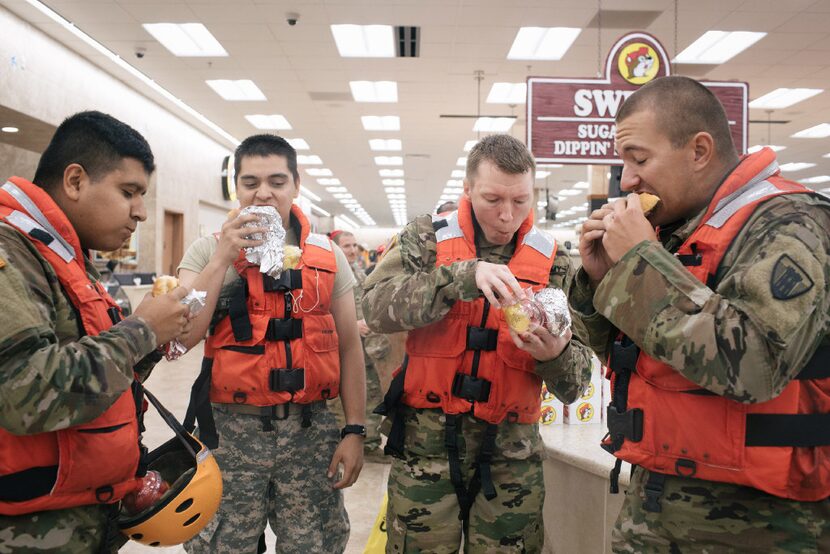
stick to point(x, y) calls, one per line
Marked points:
point(667, 424)
point(468, 361)
point(86, 464)
point(278, 343)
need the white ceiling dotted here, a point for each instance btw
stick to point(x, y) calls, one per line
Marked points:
point(294, 64)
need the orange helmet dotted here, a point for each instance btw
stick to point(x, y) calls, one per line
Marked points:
point(192, 499)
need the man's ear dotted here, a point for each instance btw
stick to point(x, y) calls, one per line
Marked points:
point(74, 179)
point(704, 149)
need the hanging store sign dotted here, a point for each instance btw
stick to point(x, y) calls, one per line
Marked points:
point(571, 121)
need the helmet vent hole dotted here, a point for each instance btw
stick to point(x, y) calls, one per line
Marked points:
point(184, 505)
point(156, 543)
point(137, 536)
point(192, 520)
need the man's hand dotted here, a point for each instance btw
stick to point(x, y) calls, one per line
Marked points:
point(349, 453)
point(165, 314)
point(540, 344)
point(595, 260)
point(625, 227)
point(362, 328)
point(232, 238)
point(497, 279)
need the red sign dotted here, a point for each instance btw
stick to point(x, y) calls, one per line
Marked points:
point(571, 121)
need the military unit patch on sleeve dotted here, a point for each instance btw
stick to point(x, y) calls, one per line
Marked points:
point(788, 280)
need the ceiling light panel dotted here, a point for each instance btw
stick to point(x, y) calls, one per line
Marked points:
point(273, 121)
point(391, 172)
point(395, 190)
point(507, 93)
point(542, 174)
point(821, 130)
point(364, 41)
point(542, 43)
point(717, 47)
point(242, 89)
point(385, 145)
point(393, 182)
point(469, 145)
point(298, 144)
point(462, 161)
point(796, 166)
point(493, 124)
point(458, 174)
point(374, 91)
point(784, 98)
point(329, 181)
point(309, 159)
point(388, 160)
point(815, 180)
point(319, 172)
point(381, 122)
point(186, 39)
point(758, 147)
point(9, 129)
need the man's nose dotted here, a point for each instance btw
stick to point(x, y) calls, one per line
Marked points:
point(629, 179)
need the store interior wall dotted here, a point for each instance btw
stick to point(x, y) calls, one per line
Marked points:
point(47, 81)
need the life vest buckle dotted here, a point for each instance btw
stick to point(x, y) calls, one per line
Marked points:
point(627, 425)
point(288, 280)
point(471, 389)
point(286, 379)
point(624, 355)
point(284, 329)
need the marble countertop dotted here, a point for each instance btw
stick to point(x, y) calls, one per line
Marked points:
point(578, 445)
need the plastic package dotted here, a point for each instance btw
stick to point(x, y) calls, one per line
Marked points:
point(150, 491)
point(547, 308)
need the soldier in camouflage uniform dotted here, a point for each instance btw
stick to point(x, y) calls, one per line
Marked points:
point(736, 340)
point(375, 348)
point(283, 463)
point(54, 375)
point(407, 291)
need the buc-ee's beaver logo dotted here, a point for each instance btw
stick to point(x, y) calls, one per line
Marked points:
point(585, 412)
point(638, 63)
point(589, 392)
point(548, 415)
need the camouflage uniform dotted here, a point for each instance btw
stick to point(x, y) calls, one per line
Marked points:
point(735, 339)
point(375, 348)
point(407, 291)
point(53, 377)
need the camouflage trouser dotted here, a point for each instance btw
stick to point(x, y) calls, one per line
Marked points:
point(71, 531)
point(705, 517)
point(374, 396)
point(422, 514)
point(278, 476)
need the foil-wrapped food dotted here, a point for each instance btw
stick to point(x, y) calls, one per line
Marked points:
point(268, 255)
point(547, 308)
point(195, 301)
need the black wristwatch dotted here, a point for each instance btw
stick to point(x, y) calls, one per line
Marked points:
point(353, 430)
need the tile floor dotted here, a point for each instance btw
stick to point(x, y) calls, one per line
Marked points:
point(171, 382)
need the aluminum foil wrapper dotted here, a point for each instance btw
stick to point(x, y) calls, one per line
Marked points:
point(269, 255)
point(557, 313)
point(195, 301)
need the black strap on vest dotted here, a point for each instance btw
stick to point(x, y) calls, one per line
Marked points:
point(390, 407)
point(199, 410)
point(289, 279)
point(238, 313)
point(452, 431)
point(482, 338)
point(795, 430)
point(284, 329)
point(818, 367)
point(622, 423)
point(654, 487)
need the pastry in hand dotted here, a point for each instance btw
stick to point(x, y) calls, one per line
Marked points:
point(164, 284)
point(648, 202)
point(516, 317)
point(291, 257)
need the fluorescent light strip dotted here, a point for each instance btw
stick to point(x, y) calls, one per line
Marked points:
point(458, 174)
point(796, 166)
point(349, 221)
point(320, 210)
point(381, 122)
point(393, 182)
point(242, 90)
point(388, 145)
point(759, 147)
point(298, 144)
point(493, 124)
point(319, 172)
point(462, 161)
point(542, 43)
point(542, 174)
point(391, 172)
point(822, 130)
point(815, 180)
point(717, 47)
point(364, 41)
point(469, 145)
point(374, 91)
point(309, 159)
point(310, 195)
point(328, 181)
point(507, 93)
point(784, 98)
point(119, 61)
point(274, 121)
point(186, 39)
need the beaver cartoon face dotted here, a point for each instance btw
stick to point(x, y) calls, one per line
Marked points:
point(638, 62)
point(548, 415)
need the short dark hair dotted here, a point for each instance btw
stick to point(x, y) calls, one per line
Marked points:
point(683, 107)
point(509, 154)
point(448, 206)
point(96, 141)
point(266, 145)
